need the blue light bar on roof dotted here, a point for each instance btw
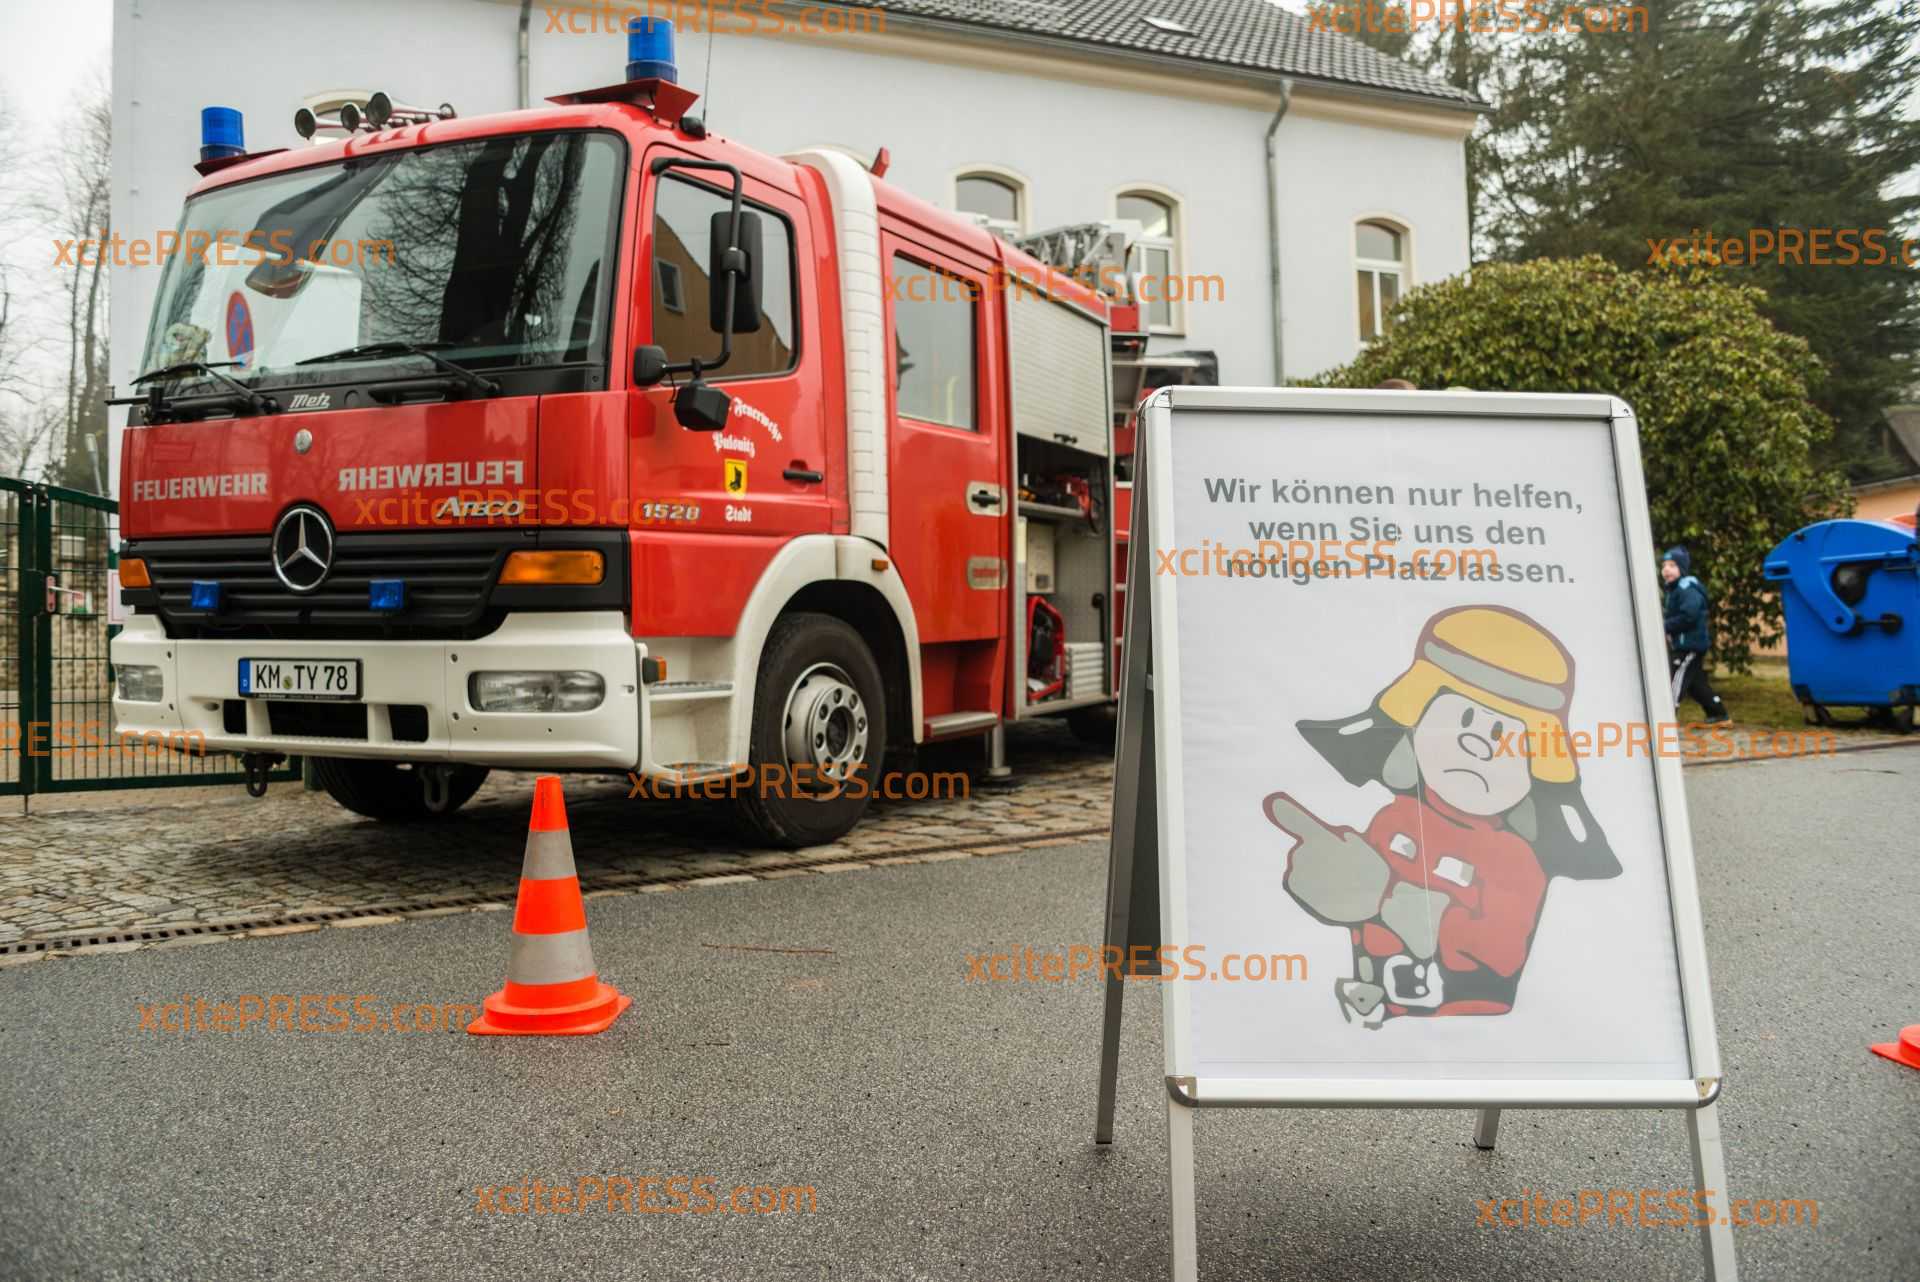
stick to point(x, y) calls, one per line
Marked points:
point(650, 50)
point(221, 133)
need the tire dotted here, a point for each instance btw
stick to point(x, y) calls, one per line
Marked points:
point(815, 671)
point(1901, 718)
point(1095, 725)
point(388, 792)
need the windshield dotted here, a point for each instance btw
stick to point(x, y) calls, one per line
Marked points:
point(495, 253)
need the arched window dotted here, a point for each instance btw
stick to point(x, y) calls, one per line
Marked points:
point(1380, 267)
point(1156, 257)
point(1000, 198)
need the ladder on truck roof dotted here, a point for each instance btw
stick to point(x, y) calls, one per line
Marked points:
point(1092, 254)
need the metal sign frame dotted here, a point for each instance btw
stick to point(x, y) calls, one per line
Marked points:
point(1147, 864)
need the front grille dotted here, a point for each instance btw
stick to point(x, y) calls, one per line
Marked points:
point(448, 577)
point(451, 592)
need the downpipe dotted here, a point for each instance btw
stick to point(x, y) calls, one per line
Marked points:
point(1273, 232)
point(526, 92)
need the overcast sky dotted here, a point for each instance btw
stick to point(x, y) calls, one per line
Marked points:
point(45, 63)
point(47, 59)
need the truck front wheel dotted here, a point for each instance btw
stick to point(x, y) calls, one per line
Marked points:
point(393, 793)
point(819, 733)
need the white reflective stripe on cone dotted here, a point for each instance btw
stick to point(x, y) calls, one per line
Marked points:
point(549, 856)
point(550, 959)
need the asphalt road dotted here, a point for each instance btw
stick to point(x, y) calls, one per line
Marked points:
point(944, 1126)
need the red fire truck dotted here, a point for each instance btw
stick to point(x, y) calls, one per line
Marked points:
point(580, 438)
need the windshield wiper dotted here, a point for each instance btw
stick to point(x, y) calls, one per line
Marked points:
point(474, 381)
point(258, 403)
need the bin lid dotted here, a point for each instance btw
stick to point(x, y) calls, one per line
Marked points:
point(1806, 561)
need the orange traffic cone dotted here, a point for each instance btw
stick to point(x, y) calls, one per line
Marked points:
point(552, 986)
point(1906, 1050)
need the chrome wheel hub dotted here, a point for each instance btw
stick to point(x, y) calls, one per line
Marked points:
point(826, 726)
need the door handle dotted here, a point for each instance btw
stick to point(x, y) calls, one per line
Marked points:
point(800, 472)
point(984, 498)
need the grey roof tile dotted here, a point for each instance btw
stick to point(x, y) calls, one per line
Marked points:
point(1251, 35)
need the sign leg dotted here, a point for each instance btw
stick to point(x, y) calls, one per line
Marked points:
point(1487, 1128)
point(1180, 1205)
point(1109, 1058)
point(1133, 862)
point(1710, 1174)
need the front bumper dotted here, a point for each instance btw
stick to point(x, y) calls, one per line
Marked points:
point(201, 679)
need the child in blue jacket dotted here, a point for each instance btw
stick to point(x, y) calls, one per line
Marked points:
point(1689, 635)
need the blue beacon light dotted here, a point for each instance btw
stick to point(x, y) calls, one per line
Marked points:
point(221, 133)
point(649, 51)
point(387, 596)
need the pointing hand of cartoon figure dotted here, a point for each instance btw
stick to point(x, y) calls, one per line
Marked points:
point(1290, 817)
point(1334, 875)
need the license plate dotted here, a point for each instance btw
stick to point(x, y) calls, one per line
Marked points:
point(300, 678)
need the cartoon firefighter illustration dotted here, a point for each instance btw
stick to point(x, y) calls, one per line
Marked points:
point(1442, 893)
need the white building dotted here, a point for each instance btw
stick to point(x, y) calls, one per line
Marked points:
point(1228, 125)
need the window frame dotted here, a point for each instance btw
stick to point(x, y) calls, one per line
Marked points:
point(974, 309)
point(1009, 178)
point(661, 268)
point(652, 192)
point(594, 373)
point(1174, 243)
point(1401, 269)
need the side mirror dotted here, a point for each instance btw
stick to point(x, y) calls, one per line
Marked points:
point(702, 407)
point(649, 365)
point(744, 262)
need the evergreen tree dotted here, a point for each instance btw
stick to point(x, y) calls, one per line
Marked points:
point(1722, 117)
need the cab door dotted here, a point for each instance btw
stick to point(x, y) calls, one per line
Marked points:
point(951, 511)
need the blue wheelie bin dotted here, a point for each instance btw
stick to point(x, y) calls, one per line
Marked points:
point(1851, 593)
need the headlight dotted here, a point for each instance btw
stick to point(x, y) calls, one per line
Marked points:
point(536, 691)
point(139, 682)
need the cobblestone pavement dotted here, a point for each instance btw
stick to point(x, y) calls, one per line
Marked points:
point(110, 862)
point(105, 863)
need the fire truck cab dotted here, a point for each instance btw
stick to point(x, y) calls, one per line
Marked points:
point(606, 444)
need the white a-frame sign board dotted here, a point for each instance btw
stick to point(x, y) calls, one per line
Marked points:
point(1355, 750)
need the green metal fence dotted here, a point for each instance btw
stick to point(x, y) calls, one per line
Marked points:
point(57, 732)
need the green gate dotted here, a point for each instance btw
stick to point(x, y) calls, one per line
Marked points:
point(56, 684)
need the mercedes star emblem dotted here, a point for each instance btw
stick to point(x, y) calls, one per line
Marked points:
point(303, 548)
point(302, 441)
